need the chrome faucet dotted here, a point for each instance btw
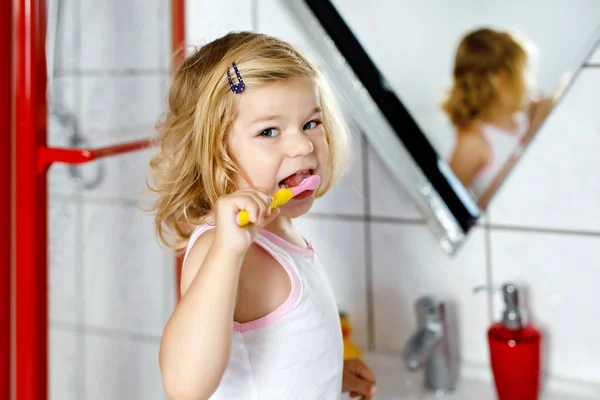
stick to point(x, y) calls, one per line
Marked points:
point(433, 346)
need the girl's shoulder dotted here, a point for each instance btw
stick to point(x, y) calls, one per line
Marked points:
point(473, 138)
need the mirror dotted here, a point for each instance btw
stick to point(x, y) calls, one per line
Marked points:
point(469, 87)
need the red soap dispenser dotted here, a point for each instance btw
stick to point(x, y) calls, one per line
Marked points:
point(514, 350)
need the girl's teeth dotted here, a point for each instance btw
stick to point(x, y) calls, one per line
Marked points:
point(306, 175)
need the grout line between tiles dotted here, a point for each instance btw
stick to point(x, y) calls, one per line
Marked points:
point(120, 135)
point(121, 202)
point(415, 221)
point(111, 73)
point(166, 22)
point(489, 269)
point(586, 65)
point(119, 334)
point(106, 201)
point(81, 356)
point(368, 245)
point(79, 294)
point(364, 218)
point(84, 330)
point(513, 228)
point(63, 326)
point(397, 220)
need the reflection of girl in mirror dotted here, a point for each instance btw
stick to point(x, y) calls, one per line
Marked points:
point(492, 109)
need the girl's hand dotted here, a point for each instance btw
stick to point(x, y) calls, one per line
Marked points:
point(257, 203)
point(358, 379)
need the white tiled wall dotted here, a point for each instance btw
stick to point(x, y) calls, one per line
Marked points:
point(387, 198)
point(122, 368)
point(124, 35)
point(348, 196)
point(407, 264)
point(63, 379)
point(112, 287)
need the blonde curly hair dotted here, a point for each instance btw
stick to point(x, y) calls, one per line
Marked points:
point(487, 62)
point(194, 166)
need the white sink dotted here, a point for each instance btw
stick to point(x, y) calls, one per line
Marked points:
point(392, 383)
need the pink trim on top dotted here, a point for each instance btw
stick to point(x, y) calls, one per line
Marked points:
point(195, 235)
point(283, 309)
point(308, 251)
point(490, 145)
point(287, 305)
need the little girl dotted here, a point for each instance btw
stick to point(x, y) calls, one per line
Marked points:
point(490, 108)
point(247, 116)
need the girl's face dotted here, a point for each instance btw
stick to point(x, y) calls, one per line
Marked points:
point(278, 134)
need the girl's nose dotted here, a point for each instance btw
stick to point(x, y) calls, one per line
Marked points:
point(299, 145)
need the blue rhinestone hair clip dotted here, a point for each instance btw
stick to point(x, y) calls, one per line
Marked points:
point(236, 87)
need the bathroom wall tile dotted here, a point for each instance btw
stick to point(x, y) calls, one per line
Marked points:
point(164, 32)
point(61, 183)
point(595, 58)
point(388, 198)
point(560, 274)
point(407, 264)
point(117, 34)
point(62, 103)
point(63, 220)
point(67, 40)
point(123, 176)
point(207, 20)
point(340, 247)
point(122, 369)
point(164, 86)
point(275, 18)
point(170, 285)
point(60, 131)
point(116, 106)
point(554, 185)
point(63, 373)
point(123, 270)
point(348, 195)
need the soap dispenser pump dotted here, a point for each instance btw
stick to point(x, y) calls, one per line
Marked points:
point(514, 349)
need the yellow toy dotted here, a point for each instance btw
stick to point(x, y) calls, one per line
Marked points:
point(350, 349)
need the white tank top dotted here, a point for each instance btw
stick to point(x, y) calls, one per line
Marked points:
point(296, 351)
point(503, 144)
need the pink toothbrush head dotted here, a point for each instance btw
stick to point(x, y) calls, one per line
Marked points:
point(309, 183)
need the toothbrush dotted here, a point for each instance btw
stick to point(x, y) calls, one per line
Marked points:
point(282, 196)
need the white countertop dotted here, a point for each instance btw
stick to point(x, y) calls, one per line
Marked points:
point(392, 383)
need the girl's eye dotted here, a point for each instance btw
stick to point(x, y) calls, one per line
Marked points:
point(271, 132)
point(311, 124)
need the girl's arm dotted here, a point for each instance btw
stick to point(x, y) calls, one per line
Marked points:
point(196, 343)
point(537, 115)
point(469, 156)
point(491, 190)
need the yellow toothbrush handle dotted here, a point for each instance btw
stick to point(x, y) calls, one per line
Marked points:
point(281, 197)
